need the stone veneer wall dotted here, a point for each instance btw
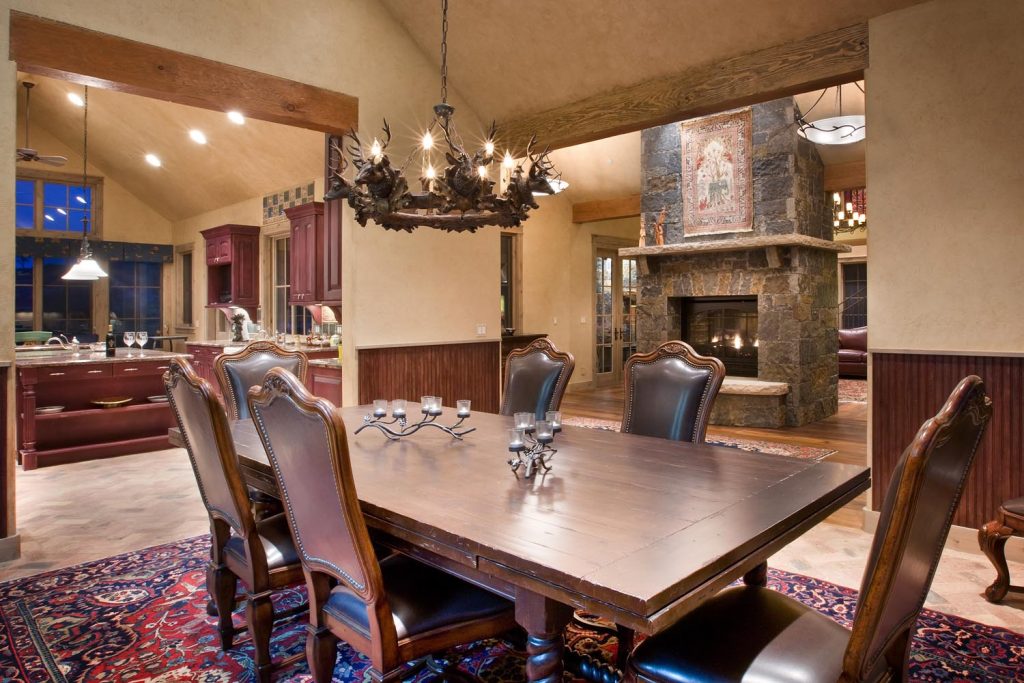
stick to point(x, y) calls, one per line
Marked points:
point(797, 301)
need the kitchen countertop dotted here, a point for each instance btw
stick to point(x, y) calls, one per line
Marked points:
point(325, 362)
point(223, 343)
point(31, 359)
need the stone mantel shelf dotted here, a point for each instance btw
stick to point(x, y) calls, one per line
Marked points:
point(739, 244)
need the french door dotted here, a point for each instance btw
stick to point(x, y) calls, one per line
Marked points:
point(615, 293)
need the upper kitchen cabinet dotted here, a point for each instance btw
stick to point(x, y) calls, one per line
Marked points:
point(232, 266)
point(315, 253)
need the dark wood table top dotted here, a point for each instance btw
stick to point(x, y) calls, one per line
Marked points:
point(636, 529)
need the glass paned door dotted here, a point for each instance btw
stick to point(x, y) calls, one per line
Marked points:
point(615, 294)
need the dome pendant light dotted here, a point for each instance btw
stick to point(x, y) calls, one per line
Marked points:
point(86, 267)
point(832, 130)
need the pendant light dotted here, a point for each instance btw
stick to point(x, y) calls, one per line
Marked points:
point(86, 267)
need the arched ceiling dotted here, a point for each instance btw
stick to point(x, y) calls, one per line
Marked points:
point(237, 163)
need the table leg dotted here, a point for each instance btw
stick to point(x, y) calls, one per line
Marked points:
point(758, 576)
point(544, 620)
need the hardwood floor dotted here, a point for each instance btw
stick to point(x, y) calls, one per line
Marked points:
point(845, 432)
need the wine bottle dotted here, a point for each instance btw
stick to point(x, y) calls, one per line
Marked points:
point(111, 341)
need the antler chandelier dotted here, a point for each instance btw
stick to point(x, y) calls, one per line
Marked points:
point(459, 196)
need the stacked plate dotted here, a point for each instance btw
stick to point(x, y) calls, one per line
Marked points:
point(159, 398)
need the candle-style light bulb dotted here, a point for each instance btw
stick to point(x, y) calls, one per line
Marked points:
point(431, 173)
point(836, 198)
point(849, 206)
point(863, 219)
point(482, 170)
point(428, 140)
point(376, 150)
point(835, 224)
point(489, 147)
point(508, 161)
point(842, 215)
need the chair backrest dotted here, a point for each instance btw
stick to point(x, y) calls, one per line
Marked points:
point(670, 392)
point(855, 338)
point(238, 372)
point(207, 436)
point(924, 492)
point(535, 378)
point(305, 441)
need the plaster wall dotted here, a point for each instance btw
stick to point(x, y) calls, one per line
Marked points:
point(943, 160)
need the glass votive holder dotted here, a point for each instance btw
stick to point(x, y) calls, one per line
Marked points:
point(516, 442)
point(425, 403)
point(462, 406)
point(524, 421)
point(545, 433)
point(380, 407)
point(435, 405)
point(398, 407)
point(555, 418)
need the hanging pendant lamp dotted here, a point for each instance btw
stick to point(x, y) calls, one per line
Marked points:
point(85, 267)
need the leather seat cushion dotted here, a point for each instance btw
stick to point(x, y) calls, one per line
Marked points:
point(746, 634)
point(1015, 506)
point(422, 599)
point(852, 356)
point(277, 543)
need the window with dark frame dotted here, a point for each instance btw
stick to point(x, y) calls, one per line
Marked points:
point(67, 304)
point(52, 205)
point(135, 296)
point(24, 294)
point(508, 280)
point(186, 313)
point(855, 295)
point(288, 319)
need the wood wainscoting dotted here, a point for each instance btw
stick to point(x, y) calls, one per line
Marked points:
point(907, 389)
point(451, 371)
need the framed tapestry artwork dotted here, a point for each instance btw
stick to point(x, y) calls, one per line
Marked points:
point(717, 177)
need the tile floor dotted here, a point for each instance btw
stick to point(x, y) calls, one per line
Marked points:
point(85, 511)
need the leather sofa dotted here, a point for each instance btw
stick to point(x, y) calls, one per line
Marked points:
point(853, 352)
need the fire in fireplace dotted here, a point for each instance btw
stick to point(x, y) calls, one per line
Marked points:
point(724, 327)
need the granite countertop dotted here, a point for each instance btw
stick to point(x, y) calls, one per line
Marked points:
point(29, 359)
point(325, 362)
point(224, 343)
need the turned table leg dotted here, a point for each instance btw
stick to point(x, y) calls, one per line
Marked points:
point(758, 576)
point(544, 620)
point(992, 539)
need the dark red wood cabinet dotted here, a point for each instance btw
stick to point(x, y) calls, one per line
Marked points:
point(325, 380)
point(232, 265)
point(315, 254)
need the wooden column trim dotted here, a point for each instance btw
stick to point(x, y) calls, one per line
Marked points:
point(606, 209)
point(819, 61)
point(87, 57)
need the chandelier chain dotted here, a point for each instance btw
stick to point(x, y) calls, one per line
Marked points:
point(85, 155)
point(444, 51)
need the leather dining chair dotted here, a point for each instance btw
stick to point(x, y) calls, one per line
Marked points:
point(754, 633)
point(670, 392)
point(237, 372)
point(535, 378)
point(259, 553)
point(395, 610)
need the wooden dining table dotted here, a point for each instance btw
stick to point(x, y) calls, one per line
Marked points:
point(634, 529)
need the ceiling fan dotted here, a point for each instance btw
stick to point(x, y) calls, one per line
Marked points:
point(26, 153)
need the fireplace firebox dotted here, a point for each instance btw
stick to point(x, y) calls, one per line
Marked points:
point(724, 327)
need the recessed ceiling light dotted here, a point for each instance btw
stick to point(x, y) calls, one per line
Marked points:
point(197, 136)
point(153, 160)
point(80, 199)
point(236, 117)
point(48, 217)
point(62, 212)
point(76, 99)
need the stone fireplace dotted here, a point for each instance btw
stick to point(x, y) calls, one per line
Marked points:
point(762, 300)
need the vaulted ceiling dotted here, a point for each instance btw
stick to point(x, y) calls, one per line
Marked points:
point(512, 57)
point(237, 163)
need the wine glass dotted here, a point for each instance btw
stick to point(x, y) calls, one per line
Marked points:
point(129, 340)
point(142, 337)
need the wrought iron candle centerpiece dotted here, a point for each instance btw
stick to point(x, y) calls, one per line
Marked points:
point(459, 196)
point(398, 425)
point(530, 442)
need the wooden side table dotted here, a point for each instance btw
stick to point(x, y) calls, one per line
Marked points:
point(992, 538)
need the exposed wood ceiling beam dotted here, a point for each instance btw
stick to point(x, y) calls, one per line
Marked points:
point(87, 57)
point(606, 209)
point(845, 176)
point(812, 63)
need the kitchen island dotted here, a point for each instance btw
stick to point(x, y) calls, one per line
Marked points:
point(81, 430)
point(204, 353)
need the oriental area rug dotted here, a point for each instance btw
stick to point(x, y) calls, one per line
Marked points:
point(141, 616)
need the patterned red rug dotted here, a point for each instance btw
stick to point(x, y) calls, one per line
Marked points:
point(853, 391)
point(141, 617)
point(751, 445)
